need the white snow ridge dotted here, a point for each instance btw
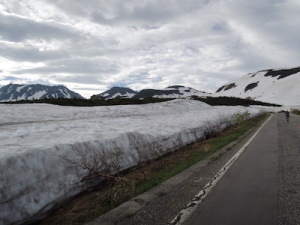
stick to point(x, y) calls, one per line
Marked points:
point(35, 139)
point(279, 86)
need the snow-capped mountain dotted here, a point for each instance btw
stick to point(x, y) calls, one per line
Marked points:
point(280, 86)
point(116, 92)
point(176, 91)
point(17, 92)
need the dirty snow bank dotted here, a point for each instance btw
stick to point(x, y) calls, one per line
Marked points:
point(35, 139)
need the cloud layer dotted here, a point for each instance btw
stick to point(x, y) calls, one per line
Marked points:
point(93, 45)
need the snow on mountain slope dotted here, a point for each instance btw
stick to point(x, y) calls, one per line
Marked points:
point(34, 138)
point(279, 86)
point(17, 92)
point(116, 92)
point(176, 91)
point(182, 92)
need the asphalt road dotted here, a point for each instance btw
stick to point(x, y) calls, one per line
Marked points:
point(263, 186)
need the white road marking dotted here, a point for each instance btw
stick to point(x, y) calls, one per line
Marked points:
point(192, 206)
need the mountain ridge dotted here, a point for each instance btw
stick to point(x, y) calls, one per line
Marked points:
point(17, 92)
point(116, 92)
point(175, 91)
point(278, 86)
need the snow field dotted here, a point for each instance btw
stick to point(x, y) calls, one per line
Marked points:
point(283, 91)
point(43, 147)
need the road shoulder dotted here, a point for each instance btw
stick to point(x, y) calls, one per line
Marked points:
point(162, 203)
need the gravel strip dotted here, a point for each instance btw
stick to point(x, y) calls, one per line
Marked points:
point(289, 172)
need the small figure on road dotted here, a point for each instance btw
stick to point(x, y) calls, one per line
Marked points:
point(287, 116)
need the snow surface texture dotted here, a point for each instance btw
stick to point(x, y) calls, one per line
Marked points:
point(35, 137)
point(283, 91)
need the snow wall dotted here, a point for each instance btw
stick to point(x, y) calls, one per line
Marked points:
point(34, 181)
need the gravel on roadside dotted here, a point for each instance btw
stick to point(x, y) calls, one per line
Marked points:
point(289, 172)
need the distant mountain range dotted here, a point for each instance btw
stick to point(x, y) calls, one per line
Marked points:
point(176, 91)
point(280, 86)
point(17, 92)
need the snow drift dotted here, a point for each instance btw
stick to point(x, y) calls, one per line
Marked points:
point(36, 139)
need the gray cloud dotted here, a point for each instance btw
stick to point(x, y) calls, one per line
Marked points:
point(146, 43)
point(81, 79)
point(17, 29)
point(148, 14)
point(74, 66)
point(10, 78)
point(30, 54)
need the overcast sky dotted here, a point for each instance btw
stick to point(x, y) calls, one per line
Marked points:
point(92, 45)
